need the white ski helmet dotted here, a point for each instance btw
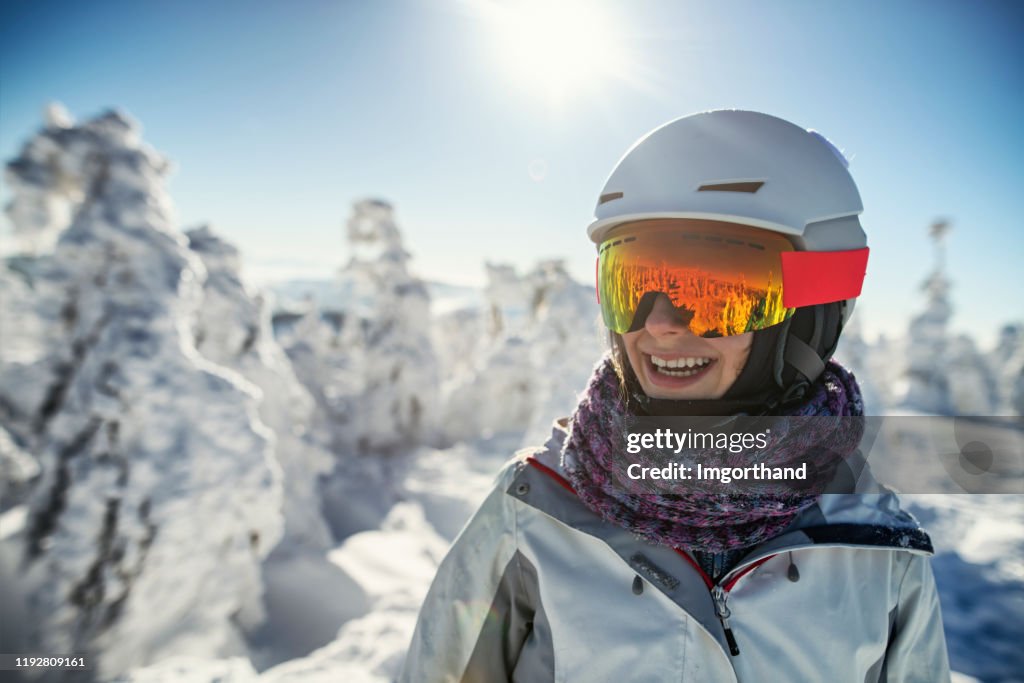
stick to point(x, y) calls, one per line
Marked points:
point(757, 170)
point(739, 167)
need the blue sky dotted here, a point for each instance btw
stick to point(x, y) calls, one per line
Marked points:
point(279, 115)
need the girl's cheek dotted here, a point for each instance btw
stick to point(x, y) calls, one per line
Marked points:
point(736, 370)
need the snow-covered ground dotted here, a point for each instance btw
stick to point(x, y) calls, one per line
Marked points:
point(979, 567)
point(201, 482)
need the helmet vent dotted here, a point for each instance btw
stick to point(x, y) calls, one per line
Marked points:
point(750, 187)
point(609, 197)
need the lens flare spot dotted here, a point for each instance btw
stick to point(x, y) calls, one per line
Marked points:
point(538, 170)
point(475, 615)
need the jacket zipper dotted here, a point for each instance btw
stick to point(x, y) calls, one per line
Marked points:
point(721, 608)
point(716, 565)
point(720, 594)
point(719, 591)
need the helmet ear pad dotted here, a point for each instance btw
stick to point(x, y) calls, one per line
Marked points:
point(770, 370)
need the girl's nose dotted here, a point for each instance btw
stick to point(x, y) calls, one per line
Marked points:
point(665, 318)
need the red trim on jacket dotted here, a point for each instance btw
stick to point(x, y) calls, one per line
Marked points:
point(551, 473)
point(707, 579)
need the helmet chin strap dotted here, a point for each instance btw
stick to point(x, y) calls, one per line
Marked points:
point(784, 361)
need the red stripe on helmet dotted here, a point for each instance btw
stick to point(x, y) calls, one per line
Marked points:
point(819, 277)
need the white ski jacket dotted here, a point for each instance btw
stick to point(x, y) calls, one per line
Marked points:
point(537, 587)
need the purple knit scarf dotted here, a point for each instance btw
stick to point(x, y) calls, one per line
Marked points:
point(692, 517)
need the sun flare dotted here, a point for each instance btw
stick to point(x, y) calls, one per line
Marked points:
point(556, 49)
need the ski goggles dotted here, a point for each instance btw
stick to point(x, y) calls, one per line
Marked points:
point(723, 278)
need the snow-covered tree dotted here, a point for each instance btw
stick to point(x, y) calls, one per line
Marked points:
point(389, 338)
point(23, 374)
point(854, 353)
point(972, 387)
point(45, 190)
point(17, 469)
point(507, 294)
point(543, 341)
point(925, 386)
point(374, 375)
point(458, 336)
point(1007, 363)
point(566, 340)
point(323, 365)
point(495, 394)
point(1016, 393)
point(233, 330)
point(159, 492)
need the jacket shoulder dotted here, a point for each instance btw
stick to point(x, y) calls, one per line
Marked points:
point(550, 453)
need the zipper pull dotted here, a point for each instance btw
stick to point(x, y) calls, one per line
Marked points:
point(719, 595)
point(793, 573)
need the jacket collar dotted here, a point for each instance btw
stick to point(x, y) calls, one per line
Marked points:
point(869, 517)
point(869, 520)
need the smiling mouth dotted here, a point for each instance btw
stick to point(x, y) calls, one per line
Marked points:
point(678, 370)
point(680, 367)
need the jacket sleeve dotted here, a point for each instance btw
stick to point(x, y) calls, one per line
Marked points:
point(917, 644)
point(476, 615)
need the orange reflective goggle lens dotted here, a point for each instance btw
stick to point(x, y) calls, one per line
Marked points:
point(723, 279)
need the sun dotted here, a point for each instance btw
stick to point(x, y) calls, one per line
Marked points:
point(557, 49)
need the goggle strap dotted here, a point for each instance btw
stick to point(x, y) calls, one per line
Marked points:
point(820, 277)
point(803, 358)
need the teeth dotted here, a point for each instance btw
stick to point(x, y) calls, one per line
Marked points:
point(680, 367)
point(680, 362)
point(678, 373)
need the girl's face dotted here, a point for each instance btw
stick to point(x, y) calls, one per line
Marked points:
point(671, 362)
